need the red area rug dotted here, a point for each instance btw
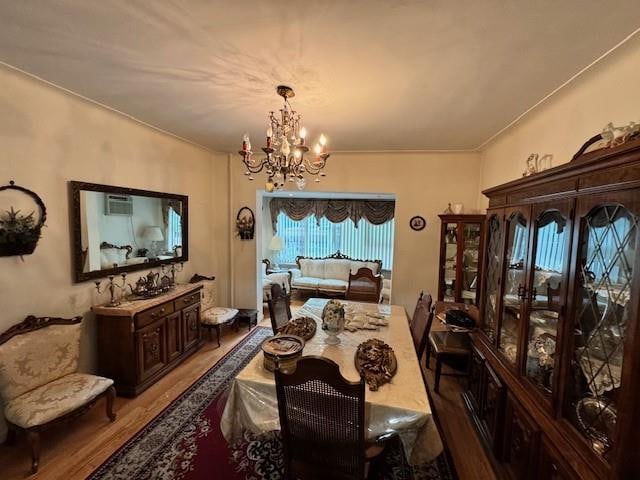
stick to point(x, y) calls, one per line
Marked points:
point(185, 442)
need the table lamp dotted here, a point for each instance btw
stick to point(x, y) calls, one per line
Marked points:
point(276, 244)
point(153, 234)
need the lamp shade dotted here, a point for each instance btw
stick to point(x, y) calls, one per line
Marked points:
point(276, 244)
point(153, 234)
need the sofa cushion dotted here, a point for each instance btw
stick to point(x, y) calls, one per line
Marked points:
point(336, 269)
point(111, 256)
point(312, 268)
point(333, 284)
point(217, 315)
point(357, 265)
point(33, 359)
point(55, 399)
point(306, 282)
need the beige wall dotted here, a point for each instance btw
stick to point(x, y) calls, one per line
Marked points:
point(560, 125)
point(423, 184)
point(47, 138)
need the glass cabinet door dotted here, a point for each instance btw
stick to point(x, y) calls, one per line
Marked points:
point(607, 245)
point(470, 254)
point(514, 285)
point(492, 263)
point(450, 261)
point(551, 237)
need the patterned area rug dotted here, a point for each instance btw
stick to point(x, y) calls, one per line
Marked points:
point(185, 442)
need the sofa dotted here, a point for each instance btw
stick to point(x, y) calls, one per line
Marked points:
point(329, 275)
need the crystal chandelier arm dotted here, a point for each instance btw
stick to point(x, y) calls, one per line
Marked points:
point(253, 167)
point(314, 168)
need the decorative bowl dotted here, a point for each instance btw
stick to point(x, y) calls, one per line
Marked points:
point(282, 352)
point(304, 327)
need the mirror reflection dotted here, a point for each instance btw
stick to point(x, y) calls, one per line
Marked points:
point(119, 230)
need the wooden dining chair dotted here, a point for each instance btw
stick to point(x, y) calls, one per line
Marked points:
point(322, 422)
point(421, 322)
point(364, 286)
point(449, 348)
point(279, 303)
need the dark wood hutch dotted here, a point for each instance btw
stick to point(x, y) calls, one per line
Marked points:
point(461, 241)
point(554, 387)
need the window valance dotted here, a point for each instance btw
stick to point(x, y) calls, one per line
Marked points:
point(376, 212)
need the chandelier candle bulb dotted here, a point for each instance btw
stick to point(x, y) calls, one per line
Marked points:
point(303, 135)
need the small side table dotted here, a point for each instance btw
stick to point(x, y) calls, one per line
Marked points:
point(248, 315)
point(277, 270)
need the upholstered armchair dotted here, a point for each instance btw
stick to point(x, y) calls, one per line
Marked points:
point(40, 385)
point(281, 278)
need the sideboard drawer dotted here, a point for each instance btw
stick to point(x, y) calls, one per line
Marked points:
point(145, 318)
point(187, 300)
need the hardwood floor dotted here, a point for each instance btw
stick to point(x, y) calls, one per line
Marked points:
point(469, 457)
point(74, 450)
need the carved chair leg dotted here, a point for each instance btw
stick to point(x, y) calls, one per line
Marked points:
point(436, 387)
point(33, 438)
point(11, 437)
point(111, 396)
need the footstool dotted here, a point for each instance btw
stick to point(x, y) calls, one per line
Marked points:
point(216, 317)
point(248, 315)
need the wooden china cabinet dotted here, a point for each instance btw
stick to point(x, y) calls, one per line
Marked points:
point(461, 238)
point(554, 387)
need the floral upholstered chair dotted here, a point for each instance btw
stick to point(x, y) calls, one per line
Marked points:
point(39, 382)
point(212, 317)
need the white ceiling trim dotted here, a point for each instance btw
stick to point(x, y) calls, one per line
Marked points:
point(545, 98)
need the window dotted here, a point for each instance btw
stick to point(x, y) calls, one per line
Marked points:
point(309, 239)
point(174, 229)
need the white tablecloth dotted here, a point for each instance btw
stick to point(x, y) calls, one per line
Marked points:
point(400, 406)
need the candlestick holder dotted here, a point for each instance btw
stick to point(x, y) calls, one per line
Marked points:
point(174, 269)
point(112, 287)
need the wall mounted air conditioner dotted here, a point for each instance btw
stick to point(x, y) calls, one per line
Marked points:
point(118, 205)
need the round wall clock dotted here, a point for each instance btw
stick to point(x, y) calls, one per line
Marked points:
point(417, 223)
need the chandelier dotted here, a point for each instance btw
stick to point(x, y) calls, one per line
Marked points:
point(285, 150)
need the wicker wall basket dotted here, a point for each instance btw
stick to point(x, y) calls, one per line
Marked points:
point(245, 223)
point(19, 233)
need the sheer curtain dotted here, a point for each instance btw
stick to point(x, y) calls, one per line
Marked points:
point(310, 238)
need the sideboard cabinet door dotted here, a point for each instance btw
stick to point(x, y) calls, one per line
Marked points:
point(493, 409)
point(151, 348)
point(174, 336)
point(521, 442)
point(476, 379)
point(550, 467)
point(191, 325)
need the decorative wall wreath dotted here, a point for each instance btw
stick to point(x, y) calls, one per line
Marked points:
point(19, 233)
point(245, 223)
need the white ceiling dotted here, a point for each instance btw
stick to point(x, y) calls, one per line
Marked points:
point(372, 74)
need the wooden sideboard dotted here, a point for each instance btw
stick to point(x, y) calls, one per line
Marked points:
point(140, 341)
point(553, 387)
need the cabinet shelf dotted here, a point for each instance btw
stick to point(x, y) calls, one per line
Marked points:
point(460, 258)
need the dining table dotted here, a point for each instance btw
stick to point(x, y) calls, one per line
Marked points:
point(400, 407)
